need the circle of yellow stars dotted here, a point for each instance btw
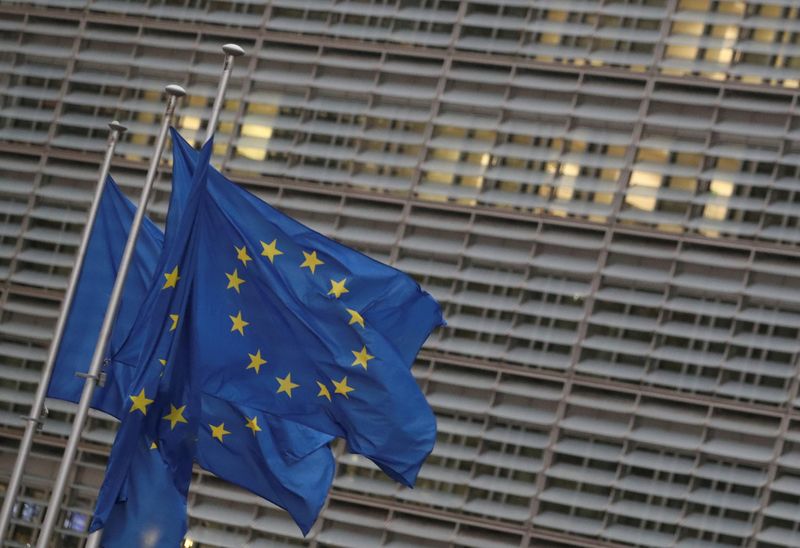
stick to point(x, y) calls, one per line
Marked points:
point(175, 417)
point(338, 288)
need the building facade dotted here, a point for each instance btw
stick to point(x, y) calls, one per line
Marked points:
point(603, 195)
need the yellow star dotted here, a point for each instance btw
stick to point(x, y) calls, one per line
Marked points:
point(241, 254)
point(252, 424)
point(163, 362)
point(342, 388)
point(256, 361)
point(218, 431)
point(312, 262)
point(140, 402)
point(153, 445)
point(234, 281)
point(174, 318)
point(175, 416)
point(286, 385)
point(361, 357)
point(355, 317)
point(238, 323)
point(271, 250)
point(338, 288)
point(172, 278)
point(323, 391)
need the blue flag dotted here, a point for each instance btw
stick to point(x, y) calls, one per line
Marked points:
point(288, 464)
point(273, 477)
point(103, 256)
point(268, 319)
point(338, 324)
point(166, 430)
point(150, 511)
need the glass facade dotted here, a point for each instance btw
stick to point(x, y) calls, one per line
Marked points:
point(603, 195)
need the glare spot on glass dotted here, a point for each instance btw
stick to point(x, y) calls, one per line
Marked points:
point(718, 211)
point(722, 188)
point(190, 122)
point(253, 146)
point(565, 191)
point(570, 169)
point(257, 130)
point(252, 153)
point(647, 180)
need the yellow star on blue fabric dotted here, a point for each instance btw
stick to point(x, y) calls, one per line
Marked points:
point(175, 416)
point(174, 318)
point(140, 402)
point(256, 361)
point(218, 432)
point(342, 388)
point(323, 391)
point(234, 281)
point(271, 250)
point(252, 424)
point(286, 385)
point(355, 317)
point(241, 254)
point(311, 262)
point(338, 288)
point(238, 323)
point(172, 278)
point(361, 357)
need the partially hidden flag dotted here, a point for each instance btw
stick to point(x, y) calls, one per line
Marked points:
point(103, 256)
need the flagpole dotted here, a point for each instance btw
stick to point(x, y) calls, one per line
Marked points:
point(232, 51)
point(34, 421)
point(174, 92)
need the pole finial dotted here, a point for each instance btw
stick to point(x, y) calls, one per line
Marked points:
point(116, 126)
point(233, 49)
point(175, 90)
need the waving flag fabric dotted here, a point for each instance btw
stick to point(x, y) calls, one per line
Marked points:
point(271, 474)
point(103, 255)
point(263, 318)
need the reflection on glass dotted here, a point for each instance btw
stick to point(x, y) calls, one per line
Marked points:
point(647, 180)
point(254, 144)
point(190, 122)
point(719, 209)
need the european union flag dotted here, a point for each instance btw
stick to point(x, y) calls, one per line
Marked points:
point(331, 325)
point(277, 321)
point(272, 475)
point(154, 442)
point(103, 256)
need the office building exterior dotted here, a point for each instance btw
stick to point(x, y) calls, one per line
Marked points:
point(603, 195)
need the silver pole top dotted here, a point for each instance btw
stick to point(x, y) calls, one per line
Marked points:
point(233, 50)
point(175, 90)
point(116, 126)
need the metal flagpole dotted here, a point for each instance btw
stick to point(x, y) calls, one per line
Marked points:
point(232, 51)
point(174, 92)
point(34, 420)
